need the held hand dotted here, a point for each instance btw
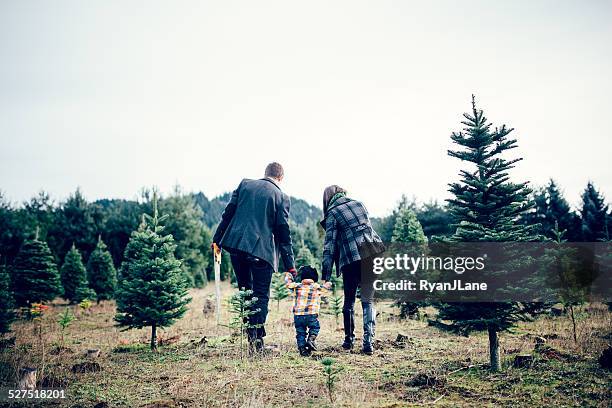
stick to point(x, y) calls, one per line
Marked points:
point(327, 285)
point(293, 272)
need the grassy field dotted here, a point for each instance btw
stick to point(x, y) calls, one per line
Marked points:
point(432, 367)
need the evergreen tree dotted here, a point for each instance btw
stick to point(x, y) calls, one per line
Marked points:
point(35, 275)
point(76, 222)
point(552, 209)
point(186, 227)
point(567, 268)
point(101, 272)
point(241, 307)
point(74, 277)
point(7, 302)
point(304, 257)
point(152, 291)
point(385, 226)
point(486, 206)
point(279, 289)
point(594, 215)
point(408, 230)
point(435, 220)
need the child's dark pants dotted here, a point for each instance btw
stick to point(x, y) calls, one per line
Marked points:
point(305, 325)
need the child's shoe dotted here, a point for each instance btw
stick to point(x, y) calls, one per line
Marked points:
point(310, 343)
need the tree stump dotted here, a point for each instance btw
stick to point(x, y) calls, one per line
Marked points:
point(402, 338)
point(523, 361)
point(27, 378)
point(93, 353)
point(86, 367)
point(209, 307)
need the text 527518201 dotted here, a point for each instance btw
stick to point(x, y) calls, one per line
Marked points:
point(39, 393)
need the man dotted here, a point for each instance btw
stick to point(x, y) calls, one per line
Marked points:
point(254, 228)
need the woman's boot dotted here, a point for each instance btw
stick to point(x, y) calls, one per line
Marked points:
point(369, 327)
point(349, 329)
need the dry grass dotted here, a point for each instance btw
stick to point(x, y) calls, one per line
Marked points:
point(186, 374)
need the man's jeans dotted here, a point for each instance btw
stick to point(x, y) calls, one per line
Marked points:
point(305, 325)
point(255, 274)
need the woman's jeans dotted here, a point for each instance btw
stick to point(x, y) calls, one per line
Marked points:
point(353, 278)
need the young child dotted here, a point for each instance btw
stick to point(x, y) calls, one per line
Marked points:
point(306, 308)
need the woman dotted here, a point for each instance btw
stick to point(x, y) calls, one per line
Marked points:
point(351, 244)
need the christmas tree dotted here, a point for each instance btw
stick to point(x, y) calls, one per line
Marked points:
point(594, 215)
point(408, 230)
point(551, 209)
point(7, 303)
point(152, 290)
point(35, 275)
point(101, 272)
point(486, 206)
point(74, 277)
point(241, 307)
point(279, 289)
point(304, 257)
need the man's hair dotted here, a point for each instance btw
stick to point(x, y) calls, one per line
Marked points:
point(308, 272)
point(275, 170)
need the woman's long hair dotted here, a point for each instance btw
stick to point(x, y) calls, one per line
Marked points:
point(328, 193)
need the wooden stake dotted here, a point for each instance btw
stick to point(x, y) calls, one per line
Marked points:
point(217, 265)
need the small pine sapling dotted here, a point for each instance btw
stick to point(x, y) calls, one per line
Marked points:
point(335, 306)
point(241, 307)
point(330, 371)
point(64, 321)
point(279, 289)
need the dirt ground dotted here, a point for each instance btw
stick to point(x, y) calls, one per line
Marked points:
point(199, 363)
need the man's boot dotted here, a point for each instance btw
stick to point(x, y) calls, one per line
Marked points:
point(349, 329)
point(369, 327)
point(310, 343)
point(256, 343)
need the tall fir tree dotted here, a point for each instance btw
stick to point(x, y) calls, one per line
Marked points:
point(76, 221)
point(594, 215)
point(486, 206)
point(74, 277)
point(101, 272)
point(186, 226)
point(551, 211)
point(7, 302)
point(152, 291)
point(35, 275)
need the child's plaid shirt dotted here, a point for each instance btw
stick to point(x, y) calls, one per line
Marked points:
point(307, 295)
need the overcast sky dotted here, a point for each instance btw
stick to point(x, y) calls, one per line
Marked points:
point(112, 96)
